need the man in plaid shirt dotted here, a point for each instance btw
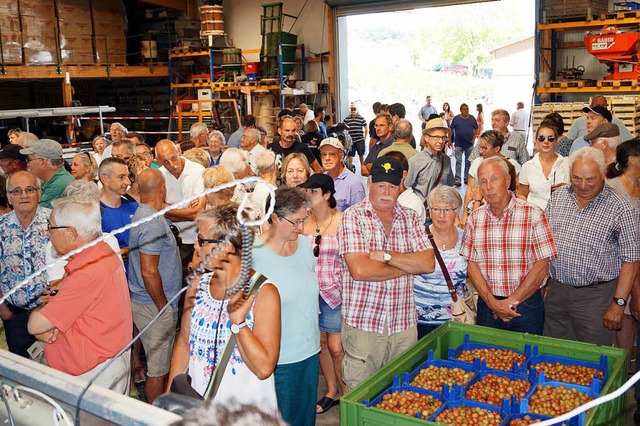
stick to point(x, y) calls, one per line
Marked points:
point(382, 244)
point(596, 231)
point(508, 244)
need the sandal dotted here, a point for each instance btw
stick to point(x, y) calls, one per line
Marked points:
point(325, 404)
point(139, 375)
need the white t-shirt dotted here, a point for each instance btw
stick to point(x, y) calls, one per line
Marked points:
point(410, 200)
point(473, 170)
point(539, 186)
point(189, 183)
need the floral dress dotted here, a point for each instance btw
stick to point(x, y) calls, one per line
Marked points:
point(207, 341)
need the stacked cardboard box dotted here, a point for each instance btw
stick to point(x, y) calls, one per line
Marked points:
point(10, 28)
point(74, 20)
point(108, 31)
point(39, 26)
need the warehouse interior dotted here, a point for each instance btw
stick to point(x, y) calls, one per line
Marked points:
point(158, 66)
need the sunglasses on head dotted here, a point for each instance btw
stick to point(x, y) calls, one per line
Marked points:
point(202, 241)
point(550, 138)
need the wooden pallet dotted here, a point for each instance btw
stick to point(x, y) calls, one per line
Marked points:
point(620, 14)
point(618, 83)
point(183, 49)
point(569, 83)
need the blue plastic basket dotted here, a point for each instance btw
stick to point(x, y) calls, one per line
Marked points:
point(602, 366)
point(454, 353)
point(531, 378)
point(541, 418)
point(442, 397)
point(630, 5)
point(592, 391)
point(407, 378)
point(504, 410)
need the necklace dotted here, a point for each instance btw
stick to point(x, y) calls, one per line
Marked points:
point(318, 225)
point(633, 185)
point(445, 241)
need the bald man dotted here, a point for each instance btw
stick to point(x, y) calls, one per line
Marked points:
point(154, 278)
point(183, 179)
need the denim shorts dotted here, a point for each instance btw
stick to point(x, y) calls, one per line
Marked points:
point(330, 320)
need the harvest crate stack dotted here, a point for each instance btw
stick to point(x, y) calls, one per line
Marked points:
point(568, 110)
point(627, 109)
point(564, 10)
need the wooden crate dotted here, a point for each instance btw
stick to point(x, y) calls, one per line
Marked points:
point(559, 10)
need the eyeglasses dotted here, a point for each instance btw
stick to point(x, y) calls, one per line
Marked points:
point(297, 222)
point(202, 241)
point(445, 211)
point(439, 138)
point(316, 249)
point(32, 159)
point(53, 228)
point(550, 139)
point(29, 190)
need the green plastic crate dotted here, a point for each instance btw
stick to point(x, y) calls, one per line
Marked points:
point(451, 335)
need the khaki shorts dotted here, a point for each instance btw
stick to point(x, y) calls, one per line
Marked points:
point(158, 340)
point(366, 352)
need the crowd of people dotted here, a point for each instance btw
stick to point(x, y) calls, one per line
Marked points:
point(343, 274)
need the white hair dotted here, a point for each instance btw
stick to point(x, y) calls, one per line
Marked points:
point(27, 139)
point(589, 153)
point(80, 213)
point(196, 129)
point(82, 189)
point(265, 162)
point(235, 160)
point(254, 134)
point(446, 194)
point(217, 134)
point(499, 161)
point(613, 141)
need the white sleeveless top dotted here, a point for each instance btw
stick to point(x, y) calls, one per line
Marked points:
point(238, 382)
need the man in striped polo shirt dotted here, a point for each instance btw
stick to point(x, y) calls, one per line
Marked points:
point(358, 130)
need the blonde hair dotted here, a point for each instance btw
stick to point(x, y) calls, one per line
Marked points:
point(294, 156)
point(218, 175)
point(198, 155)
point(136, 164)
point(89, 161)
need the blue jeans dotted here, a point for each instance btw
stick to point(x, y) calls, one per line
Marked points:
point(531, 319)
point(467, 164)
point(297, 391)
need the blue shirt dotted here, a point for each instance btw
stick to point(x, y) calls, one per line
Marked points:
point(22, 254)
point(234, 138)
point(117, 218)
point(464, 129)
point(296, 280)
point(433, 301)
point(322, 129)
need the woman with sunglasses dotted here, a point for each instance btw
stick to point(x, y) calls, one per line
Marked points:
point(546, 171)
point(211, 315)
point(322, 231)
point(286, 257)
point(490, 143)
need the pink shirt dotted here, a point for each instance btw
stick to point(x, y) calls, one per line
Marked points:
point(328, 269)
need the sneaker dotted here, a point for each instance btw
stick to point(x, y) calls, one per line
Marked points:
point(457, 183)
point(352, 168)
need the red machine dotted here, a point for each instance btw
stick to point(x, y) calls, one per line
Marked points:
point(619, 51)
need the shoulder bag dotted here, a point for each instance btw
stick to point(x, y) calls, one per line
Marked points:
point(462, 310)
point(181, 383)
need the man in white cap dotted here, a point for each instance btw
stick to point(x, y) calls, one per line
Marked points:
point(348, 186)
point(430, 167)
point(44, 159)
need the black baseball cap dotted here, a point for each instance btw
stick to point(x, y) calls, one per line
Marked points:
point(600, 110)
point(12, 151)
point(386, 169)
point(319, 180)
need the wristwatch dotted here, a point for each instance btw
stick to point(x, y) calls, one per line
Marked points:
point(620, 301)
point(235, 328)
point(386, 257)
